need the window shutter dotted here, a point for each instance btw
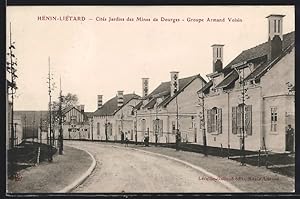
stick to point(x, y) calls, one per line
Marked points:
point(209, 120)
point(248, 119)
point(161, 127)
point(239, 119)
point(234, 124)
point(219, 120)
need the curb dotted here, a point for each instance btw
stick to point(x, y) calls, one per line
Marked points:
point(83, 177)
point(228, 185)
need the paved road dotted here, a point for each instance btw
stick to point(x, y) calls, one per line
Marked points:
point(127, 170)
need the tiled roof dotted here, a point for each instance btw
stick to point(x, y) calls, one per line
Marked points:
point(164, 90)
point(111, 106)
point(67, 109)
point(231, 77)
point(139, 105)
point(206, 86)
point(258, 53)
point(151, 103)
point(261, 50)
point(265, 66)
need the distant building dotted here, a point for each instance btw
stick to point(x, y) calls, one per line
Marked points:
point(76, 123)
point(114, 117)
point(265, 69)
point(170, 106)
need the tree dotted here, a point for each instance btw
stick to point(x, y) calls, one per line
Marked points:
point(67, 101)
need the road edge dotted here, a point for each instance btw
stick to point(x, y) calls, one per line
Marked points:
point(83, 177)
point(228, 185)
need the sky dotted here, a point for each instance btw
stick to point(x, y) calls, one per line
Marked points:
point(101, 57)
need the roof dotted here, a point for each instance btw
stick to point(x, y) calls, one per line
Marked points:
point(111, 106)
point(256, 54)
point(265, 66)
point(163, 90)
point(231, 77)
point(139, 105)
point(206, 86)
point(261, 50)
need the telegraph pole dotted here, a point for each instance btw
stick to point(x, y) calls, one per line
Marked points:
point(203, 123)
point(177, 137)
point(60, 120)
point(50, 121)
point(11, 69)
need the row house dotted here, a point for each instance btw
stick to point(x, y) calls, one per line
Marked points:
point(169, 107)
point(114, 117)
point(251, 93)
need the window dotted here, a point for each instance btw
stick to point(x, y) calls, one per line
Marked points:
point(237, 119)
point(73, 119)
point(98, 128)
point(274, 119)
point(278, 27)
point(214, 120)
point(143, 126)
point(109, 128)
point(158, 127)
point(173, 127)
point(274, 25)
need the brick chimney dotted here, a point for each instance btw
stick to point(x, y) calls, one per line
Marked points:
point(145, 86)
point(275, 37)
point(217, 57)
point(174, 82)
point(120, 98)
point(100, 101)
point(82, 108)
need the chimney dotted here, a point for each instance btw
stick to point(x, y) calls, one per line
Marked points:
point(120, 98)
point(99, 101)
point(174, 82)
point(82, 108)
point(275, 37)
point(145, 86)
point(217, 57)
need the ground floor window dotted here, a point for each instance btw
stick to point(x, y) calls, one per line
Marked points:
point(214, 120)
point(273, 119)
point(237, 119)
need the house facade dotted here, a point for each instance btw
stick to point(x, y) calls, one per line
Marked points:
point(114, 117)
point(169, 107)
point(249, 98)
point(76, 123)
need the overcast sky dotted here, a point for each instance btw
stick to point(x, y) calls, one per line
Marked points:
point(94, 57)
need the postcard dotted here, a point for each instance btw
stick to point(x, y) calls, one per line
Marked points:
point(150, 99)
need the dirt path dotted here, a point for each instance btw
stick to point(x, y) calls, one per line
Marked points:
point(121, 170)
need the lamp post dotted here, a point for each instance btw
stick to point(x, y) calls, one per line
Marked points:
point(202, 122)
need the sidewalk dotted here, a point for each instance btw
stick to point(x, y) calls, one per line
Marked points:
point(247, 178)
point(52, 177)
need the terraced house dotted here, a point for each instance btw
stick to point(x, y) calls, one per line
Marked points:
point(259, 78)
point(114, 117)
point(170, 106)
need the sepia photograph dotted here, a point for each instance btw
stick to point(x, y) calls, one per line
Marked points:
point(150, 99)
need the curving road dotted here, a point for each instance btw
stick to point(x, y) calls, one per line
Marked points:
point(121, 169)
